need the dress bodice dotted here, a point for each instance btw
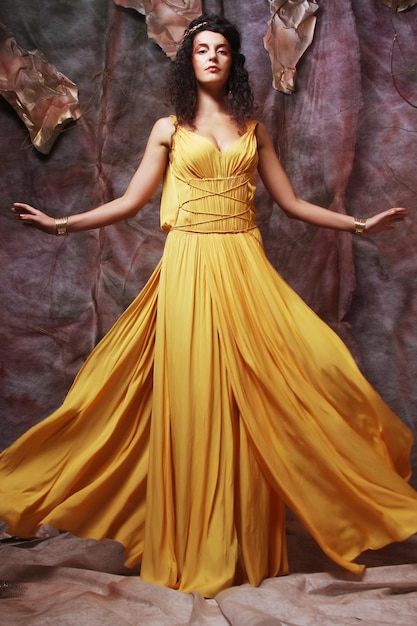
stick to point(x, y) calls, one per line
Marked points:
point(206, 190)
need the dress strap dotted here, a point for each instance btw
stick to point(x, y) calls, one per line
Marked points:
point(174, 121)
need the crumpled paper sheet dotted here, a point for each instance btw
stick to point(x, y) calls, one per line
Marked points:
point(70, 581)
point(166, 20)
point(289, 34)
point(44, 99)
point(399, 5)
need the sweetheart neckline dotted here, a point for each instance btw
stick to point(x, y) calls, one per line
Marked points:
point(191, 132)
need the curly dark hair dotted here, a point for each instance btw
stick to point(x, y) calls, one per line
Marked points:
point(181, 81)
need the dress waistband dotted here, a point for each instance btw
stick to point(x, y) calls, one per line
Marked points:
point(233, 211)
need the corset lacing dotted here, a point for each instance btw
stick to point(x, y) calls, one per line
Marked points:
point(236, 183)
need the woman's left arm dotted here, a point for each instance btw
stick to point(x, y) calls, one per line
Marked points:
point(279, 187)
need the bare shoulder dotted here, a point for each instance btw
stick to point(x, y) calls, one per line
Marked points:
point(162, 131)
point(262, 136)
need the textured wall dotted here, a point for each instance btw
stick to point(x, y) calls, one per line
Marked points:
point(347, 138)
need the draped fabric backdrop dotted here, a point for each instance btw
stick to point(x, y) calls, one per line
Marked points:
point(347, 138)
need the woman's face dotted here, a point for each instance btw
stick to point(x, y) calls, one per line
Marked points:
point(212, 58)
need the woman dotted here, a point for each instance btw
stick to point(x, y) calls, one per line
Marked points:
point(221, 396)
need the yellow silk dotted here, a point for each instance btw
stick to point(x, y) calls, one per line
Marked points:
point(216, 398)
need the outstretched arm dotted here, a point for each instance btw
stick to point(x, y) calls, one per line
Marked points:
point(141, 188)
point(278, 185)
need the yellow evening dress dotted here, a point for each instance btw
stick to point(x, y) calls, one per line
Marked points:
point(217, 398)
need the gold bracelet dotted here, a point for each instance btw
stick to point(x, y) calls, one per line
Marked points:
point(61, 225)
point(360, 225)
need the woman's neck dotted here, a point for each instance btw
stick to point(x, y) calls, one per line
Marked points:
point(211, 103)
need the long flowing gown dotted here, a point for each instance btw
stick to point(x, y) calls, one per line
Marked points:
point(217, 398)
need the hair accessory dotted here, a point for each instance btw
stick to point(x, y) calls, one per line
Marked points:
point(61, 224)
point(360, 225)
point(190, 31)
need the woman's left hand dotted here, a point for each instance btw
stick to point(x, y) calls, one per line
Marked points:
point(387, 220)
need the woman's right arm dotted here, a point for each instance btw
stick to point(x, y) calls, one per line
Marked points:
point(141, 188)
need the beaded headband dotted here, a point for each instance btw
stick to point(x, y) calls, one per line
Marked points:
point(190, 31)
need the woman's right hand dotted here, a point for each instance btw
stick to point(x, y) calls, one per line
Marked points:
point(33, 217)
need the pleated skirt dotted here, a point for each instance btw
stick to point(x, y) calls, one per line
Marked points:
point(217, 399)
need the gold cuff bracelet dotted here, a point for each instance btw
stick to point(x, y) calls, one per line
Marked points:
point(360, 225)
point(61, 225)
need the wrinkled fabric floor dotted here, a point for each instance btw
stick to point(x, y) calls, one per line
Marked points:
point(68, 581)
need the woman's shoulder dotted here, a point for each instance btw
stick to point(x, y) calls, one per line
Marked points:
point(164, 128)
point(261, 132)
point(258, 125)
point(165, 124)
